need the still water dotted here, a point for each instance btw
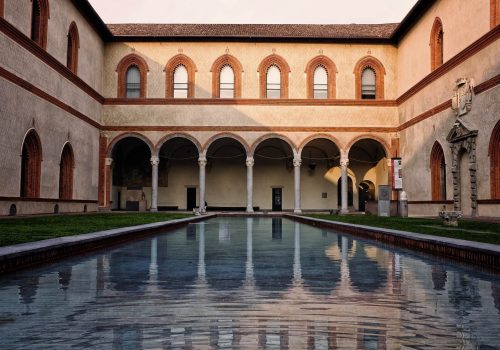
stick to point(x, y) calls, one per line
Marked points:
point(250, 283)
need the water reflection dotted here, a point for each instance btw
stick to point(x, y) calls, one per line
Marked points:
point(231, 283)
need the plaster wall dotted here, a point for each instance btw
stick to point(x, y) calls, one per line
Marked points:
point(54, 127)
point(464, 21)
point(345, 57)
point(62, 13)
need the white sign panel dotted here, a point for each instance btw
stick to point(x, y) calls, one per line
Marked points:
point(397, 174)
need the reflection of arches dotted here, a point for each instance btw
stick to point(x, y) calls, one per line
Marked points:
point(438, 173)
point(31, 165)
point(494, 153)
point(350, 192)
point(66, 172)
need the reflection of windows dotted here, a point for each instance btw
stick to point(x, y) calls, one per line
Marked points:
point(273, 82)
point(133, 89)
point(226, 86)
point(320, 85)
point(368, 84)
point(181, 82)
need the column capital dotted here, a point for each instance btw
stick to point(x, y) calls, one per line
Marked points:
point(108, 161)
point(202, 161)
point(297, 162)
point(155, 160)
point(250, 162)
point(389, 162)
point(344, 162)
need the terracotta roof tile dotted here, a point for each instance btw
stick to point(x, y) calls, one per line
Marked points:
point(285, 31)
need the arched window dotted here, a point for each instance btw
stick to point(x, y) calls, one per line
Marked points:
point(133, 82)
point(66, 173)
point(226, 82)
point(273, 73)
point(226, 77)
point(132, 77)
point(436, 44)
point(438, 173)
point(320, 85)
point(320, 73)
point(73, 46)
point(1, 8)
point(494, 152)
point(180, 74)
point(369, 78)
point(494, 13)
point(31, 166)
point(273, 82)
point(39, 22)
point(368, 84)
point(181, 82)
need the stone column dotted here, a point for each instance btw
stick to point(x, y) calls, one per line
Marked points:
point(296, 181)
point(250, 162)
point(107, 181)
point(202, 161)
point(344, 162)
point(155, 160)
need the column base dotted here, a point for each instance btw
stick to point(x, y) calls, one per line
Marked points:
point(153, 210)
point(344, 211)
point(297, 211)
point(249, 209)
point(104, 209)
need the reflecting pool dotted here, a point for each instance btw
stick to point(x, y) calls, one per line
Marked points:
point(250, 283)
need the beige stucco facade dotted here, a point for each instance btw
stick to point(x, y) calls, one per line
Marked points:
point(38, 93)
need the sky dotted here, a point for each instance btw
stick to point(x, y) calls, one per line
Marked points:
point(253, 11)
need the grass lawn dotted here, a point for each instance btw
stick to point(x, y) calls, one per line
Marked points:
point(469, 230)
point(23, 230)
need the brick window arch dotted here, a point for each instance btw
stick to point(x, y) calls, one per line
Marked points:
point(31, 166)
point(331, 71)
point(494, 13)
point(172, 64)
point(1, 8)
point(436, 44)
point(494, 152)
point(73, 47)
point(284, 68)
point(66, 172)
point(370, 62)
point(39, 22)
point(438, 173)
point(221, 62)
point(132, 60)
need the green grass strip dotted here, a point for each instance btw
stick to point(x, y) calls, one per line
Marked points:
point(469, 230)
point(30, 229)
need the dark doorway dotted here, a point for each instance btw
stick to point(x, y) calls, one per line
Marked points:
point(277, 199)
point(191, 198)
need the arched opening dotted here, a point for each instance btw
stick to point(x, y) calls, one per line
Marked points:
point(273, 175)
point(133, 83)
point(178, 175)
point(181, 82)
point(436, 43)
point(39, 22)
point(180, 77)
point(226, 86)
point(366, 190)
point(368, 162)
point(494, 152)
point(369, 78)
point(368, 85)
point(273, 77)
point(438, 173)
point(31, 166)
point(273, 82)
point(132, 76)
point(226, 175)
point(226, 77)
point(320, 159)
point(73, 46)
point(66, 167)
point(321, 73)
point(131, 175)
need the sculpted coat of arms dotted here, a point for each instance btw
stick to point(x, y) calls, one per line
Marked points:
point(461, 102)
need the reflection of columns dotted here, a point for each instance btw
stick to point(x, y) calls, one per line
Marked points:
point(107, 181)
point(249, 264)
point(201, 252)
point(344, 162)
point(153, 266)
point(202, 161)
point(296, 182)
point(297, 271)
point(250, 162)
point(344, 267)
point(155, 160)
